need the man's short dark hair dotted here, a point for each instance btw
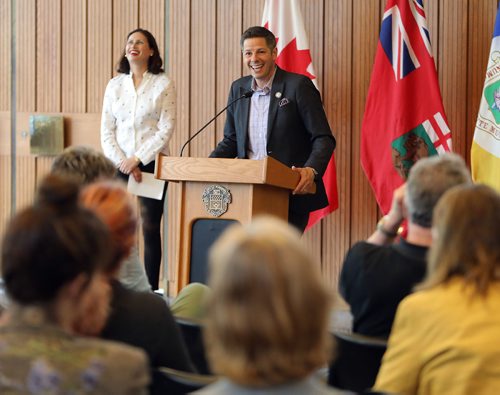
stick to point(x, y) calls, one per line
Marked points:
point(259, 31)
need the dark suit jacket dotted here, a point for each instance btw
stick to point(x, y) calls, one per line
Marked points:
point(298, 133)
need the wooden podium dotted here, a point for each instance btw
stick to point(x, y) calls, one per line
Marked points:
point(254, 187)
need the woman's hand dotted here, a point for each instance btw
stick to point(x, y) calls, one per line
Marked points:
point(137, 174)
point(129, 164)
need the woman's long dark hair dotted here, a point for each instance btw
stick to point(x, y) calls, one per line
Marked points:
point(155, 62)
point(50, 243)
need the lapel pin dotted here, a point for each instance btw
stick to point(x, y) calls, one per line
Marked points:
point(283, 102)
point(277, 95)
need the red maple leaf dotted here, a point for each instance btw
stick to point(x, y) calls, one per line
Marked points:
point(297, 61)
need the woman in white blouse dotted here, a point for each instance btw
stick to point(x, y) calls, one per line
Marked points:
point(138, 119)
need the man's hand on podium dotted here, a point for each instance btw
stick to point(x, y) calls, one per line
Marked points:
point(306, 181)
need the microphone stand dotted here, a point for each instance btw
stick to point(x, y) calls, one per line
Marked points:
point(243, 96)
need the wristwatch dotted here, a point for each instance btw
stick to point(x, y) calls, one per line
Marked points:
point(387, 233)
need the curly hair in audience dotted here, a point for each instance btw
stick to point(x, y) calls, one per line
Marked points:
point(50, 243)
point(268, 312)
point(112, 204)
point(466, 231)
point(84, 164)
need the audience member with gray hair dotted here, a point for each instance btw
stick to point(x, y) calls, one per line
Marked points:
point(85, 165)
point(378, 273)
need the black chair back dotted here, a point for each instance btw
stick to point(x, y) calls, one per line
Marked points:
point(192, 333)
point(357, 361)
point(169, 381)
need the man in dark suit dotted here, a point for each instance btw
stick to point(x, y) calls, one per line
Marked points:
point(284, 119)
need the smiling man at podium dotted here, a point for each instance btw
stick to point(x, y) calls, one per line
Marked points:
point(283, 118)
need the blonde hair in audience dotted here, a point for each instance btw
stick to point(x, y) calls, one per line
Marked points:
point(466, 243)
point(269, 309)
point(112, 204)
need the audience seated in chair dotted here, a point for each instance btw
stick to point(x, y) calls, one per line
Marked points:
point(357, 361)
point(86, 165)
point(445, 335)
point(142, 319)
point(51, 255)
point(268, 313)
point(377, 274)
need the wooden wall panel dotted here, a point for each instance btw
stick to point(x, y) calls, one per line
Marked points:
point(313, 15)
point(25, 163)
point(5, 58)
point(100, 61)
point(27, 88)
point(252, 14)
point(5, 109)
point(5, 122)
point(453, 69)
point(229, 58)
point(125, 19)
point(203, 71)
point(43, 164)
point(48, 59)
point(338, 105)
point(180, 64)
point(26, 55)
point(5, 191)
point(25, 181)
point(74, 61)
point(152, 18)
point(180, 50)
point(315, 22)
point(82, 129)
point(366, 13)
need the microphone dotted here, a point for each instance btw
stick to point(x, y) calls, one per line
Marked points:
point(245, 95)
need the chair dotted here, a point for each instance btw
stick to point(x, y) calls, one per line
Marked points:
point(175, 382)
point(192, 333)
point(357, 361)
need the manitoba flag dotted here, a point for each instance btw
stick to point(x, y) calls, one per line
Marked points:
point(284, 19)
point(404, 117)
point(485, 150)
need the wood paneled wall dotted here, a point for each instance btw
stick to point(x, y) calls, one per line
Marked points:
point(67, 49)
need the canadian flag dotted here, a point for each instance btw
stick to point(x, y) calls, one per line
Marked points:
point(284, 19)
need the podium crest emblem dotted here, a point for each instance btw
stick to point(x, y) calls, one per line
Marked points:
point(216, 199)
